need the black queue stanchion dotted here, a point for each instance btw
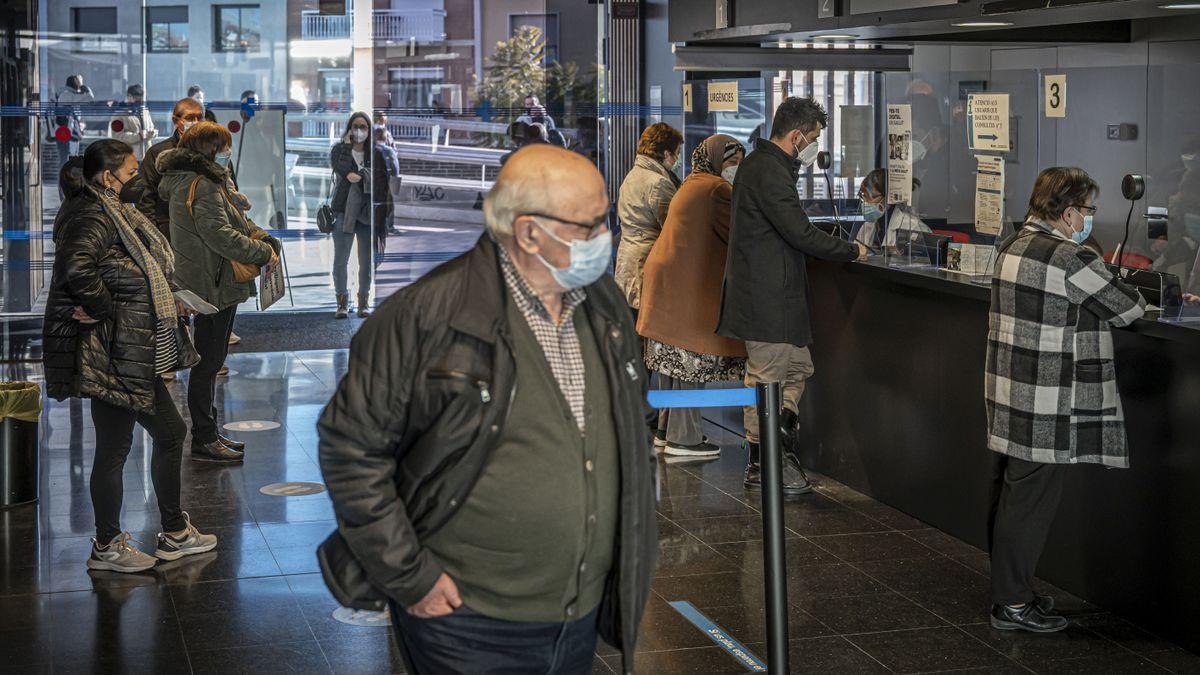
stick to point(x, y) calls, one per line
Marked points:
point(774, 541)
point(768, 399)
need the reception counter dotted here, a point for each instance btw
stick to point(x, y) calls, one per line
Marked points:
point(896, 411)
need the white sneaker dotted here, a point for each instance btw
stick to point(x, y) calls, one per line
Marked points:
point(223, 372)
point(119, 556)
point(191, 543)
point(233, 338)
point(701, 449)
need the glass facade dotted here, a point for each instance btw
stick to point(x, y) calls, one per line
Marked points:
point(442, 81)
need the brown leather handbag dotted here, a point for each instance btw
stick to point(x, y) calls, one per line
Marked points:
point(242, 272)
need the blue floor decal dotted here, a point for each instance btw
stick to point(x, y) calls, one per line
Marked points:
point(718, 635)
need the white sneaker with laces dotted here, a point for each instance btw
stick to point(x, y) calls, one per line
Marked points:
point(119, 555)
point(233, 338)
point(190, 542)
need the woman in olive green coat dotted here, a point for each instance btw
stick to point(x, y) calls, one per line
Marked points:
point(209, 233)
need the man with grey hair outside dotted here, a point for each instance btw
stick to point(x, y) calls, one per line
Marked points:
point(487, 451)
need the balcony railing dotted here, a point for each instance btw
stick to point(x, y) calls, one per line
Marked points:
point(423, 26)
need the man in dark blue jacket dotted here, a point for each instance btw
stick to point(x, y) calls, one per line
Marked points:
point(765, 297)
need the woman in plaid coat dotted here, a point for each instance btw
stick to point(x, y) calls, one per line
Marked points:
point(1051, 386)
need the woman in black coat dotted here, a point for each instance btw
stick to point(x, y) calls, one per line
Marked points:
point(360, 206)
point(111, 330)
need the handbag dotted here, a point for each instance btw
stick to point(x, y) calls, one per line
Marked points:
point(325, 219)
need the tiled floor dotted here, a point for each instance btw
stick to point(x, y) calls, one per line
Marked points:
point(871, 589)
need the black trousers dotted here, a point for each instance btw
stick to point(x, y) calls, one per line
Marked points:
point(468, 642)
point(211, 336)
point(1025, 497)
point(114, 437)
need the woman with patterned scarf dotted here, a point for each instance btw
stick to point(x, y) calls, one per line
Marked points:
point(111, 331)
point(681, 293)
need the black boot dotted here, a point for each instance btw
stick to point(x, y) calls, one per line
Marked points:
point(789, 429)
point(215, 452)
point(795, 482)
point(1030, 617)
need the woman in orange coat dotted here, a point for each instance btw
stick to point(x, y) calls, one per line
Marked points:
point(681, 293)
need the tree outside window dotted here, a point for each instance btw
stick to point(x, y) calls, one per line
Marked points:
point(167, 29)
point(237, 28)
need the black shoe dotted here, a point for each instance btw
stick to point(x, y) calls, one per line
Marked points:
point(1029, 617)
point(215, 452)
point(795, 481)
point(789, 426)
point(1044, 603)
point(230, 443)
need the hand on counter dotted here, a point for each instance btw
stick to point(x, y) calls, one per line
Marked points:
point(862, 251)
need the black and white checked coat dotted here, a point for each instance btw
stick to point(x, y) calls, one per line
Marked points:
point(1051, 386)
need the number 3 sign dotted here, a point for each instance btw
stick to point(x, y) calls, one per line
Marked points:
point(1056, 96)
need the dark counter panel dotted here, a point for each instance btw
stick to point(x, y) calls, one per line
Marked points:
point(896, 410)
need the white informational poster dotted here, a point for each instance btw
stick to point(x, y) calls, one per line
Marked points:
point(989, 194)
point(687, 98)
point(271, 284)
point(987, 115)
point(723, 96)
point(1056, 96)
point(972, 259)
point(899, 154)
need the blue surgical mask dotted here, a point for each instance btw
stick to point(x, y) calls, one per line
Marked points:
point(871, 212)
point(1080, 237)
point(588, 261)
point(222, 158)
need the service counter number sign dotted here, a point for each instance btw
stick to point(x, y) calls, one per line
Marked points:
point(987, 116)
point(1056, 96)
point(722, 96)
point(687, 98)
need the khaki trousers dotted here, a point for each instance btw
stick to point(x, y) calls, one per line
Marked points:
point(785, 363)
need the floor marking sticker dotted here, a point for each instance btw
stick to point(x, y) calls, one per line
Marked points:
point(718, 635)
point(296, 489)
point(252, 425)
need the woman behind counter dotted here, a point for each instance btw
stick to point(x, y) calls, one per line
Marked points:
point(881, 221)
point(111, 330)
point(1051, 387)
point(681, 294)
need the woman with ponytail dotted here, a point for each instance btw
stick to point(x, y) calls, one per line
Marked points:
point(111, 331)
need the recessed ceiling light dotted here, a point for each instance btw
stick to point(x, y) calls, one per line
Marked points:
point(834, 36)
point(1181, 5)
point(982, 24)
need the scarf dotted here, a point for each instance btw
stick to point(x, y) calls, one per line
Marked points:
point(711, 153)
point(157, 261)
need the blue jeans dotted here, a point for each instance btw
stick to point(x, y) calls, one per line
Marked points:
point(468, 642)
point(341, 257)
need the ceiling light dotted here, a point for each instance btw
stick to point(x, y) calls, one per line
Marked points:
point(982, 24)
point(1181, 5)
point(834, 36)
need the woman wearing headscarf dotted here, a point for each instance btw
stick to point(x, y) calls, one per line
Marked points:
point(681, 293)
point(111, 331)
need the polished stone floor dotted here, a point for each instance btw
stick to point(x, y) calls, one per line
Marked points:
point(871, 589)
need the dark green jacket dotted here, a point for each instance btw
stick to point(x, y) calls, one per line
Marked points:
point(210, 233)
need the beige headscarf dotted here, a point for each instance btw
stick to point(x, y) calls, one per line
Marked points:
point(710, 155)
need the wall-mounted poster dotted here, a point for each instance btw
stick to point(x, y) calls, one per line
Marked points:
point(899, 153)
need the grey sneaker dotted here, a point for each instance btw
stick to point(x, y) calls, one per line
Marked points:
point(191, 543)
point(119, 555)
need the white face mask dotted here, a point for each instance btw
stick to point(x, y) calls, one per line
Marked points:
point(918, 151)
point(808, 155)
point(729, 172)
point(358, 135)
point(188, 125)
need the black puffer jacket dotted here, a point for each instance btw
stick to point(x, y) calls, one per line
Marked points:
point(112, 360)
point(414, 421)
point(341, 160)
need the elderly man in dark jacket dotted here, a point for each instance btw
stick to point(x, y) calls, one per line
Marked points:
point(487, 451)
point(765, 297)
point(187, 113)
